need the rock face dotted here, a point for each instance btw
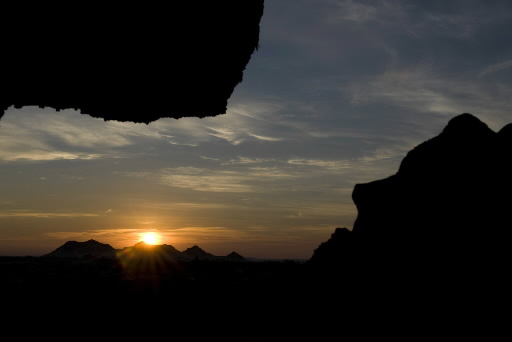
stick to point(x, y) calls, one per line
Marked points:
point(128, 62)
point(448, 204)
point(90, 248)
point(455, 187)
point(335, 250)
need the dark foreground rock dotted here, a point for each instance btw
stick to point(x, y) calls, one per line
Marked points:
point(128, 62)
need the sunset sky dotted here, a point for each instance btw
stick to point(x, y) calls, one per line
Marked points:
point(337, 93)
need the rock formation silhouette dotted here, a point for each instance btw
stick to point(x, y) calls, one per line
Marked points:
point(454, 188)
point(432, 238)
point(449, 200)
point(128, 62)
point(338, 249)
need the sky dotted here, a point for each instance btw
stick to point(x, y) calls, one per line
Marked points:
point(336, 94)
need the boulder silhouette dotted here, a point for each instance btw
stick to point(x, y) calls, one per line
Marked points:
point(127, 62)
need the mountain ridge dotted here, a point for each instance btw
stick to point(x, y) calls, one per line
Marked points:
point(94, 249)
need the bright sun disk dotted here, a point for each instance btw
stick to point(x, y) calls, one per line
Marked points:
point(150, 238)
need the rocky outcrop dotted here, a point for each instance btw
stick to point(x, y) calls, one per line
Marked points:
point(446, 208)
point(337, 249)
point(453, 189)
point(128, 62)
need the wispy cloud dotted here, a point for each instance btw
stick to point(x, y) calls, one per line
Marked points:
point(264, 138)
point(272, 174)
point(497, 67)
point(44, 155)
point(337, 166)
point(167, 206)
point(209, 158)
point(226, 134)
point(48, 215)
point(353, 11)
point(248, 160)
point(90, 234)
point(205, 180)
point(425, 90)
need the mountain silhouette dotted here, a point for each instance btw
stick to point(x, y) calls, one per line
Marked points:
point(95, 249)
point(129, 63)
point(170, 250)
point(90, 248)
point(195, 252)
point(235, 257)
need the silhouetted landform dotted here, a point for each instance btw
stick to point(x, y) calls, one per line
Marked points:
point(451, 195)
point(452, 191)
point(129, 62)
point(195, 252)
point(338, 249)
point(430, 245)
point(86, 249)
point(235, 257)
point(95, 249)
point(195, 294)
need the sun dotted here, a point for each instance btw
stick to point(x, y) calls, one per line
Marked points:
point(150, 238)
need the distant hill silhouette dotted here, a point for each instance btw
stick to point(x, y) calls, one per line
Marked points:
point(95, 249)
point(449, 199)
point(235, 257)
point(130, 62)
point(195, 252)
point(90, 248)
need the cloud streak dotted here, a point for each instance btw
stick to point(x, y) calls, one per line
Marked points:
point(45, 215)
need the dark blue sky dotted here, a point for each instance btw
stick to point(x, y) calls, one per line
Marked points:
point(337, 93)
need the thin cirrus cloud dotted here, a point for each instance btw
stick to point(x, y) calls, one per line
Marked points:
point(497, 67)
point(425, 90)
point(46, 215)
point(205, 180)
point(264, 138)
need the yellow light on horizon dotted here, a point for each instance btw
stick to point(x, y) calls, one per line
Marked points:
point(150, 238)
